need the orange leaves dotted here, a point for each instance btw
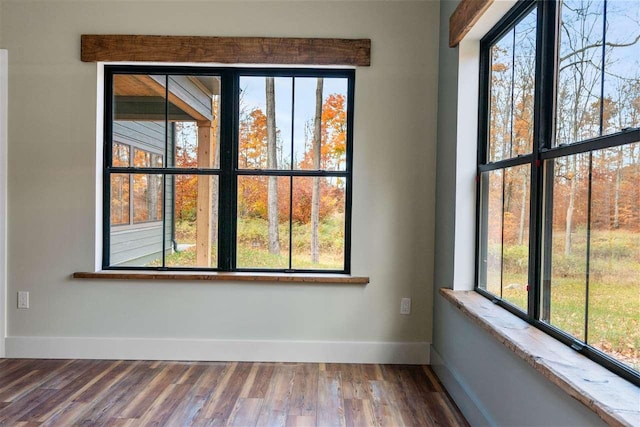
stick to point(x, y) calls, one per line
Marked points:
point(334, 131)
point(498, 68)
point(302, 195)
point(186, 197)
point(252, 191)
point(253, 140)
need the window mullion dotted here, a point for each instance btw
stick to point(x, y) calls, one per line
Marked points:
point(228, 180)
point(106, 175)
point(293, 110)
point(130, 177)
point(164, 177)
point(604, 53)
point(588, 254)
point(544, 105)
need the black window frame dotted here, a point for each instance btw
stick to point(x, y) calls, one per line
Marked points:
point(543, 150)
point(228, 172)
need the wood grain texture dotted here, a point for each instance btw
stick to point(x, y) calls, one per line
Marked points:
point(613, 399)
point(464, 17)
point(225, 50)
point(133, 393)
point(227, 277)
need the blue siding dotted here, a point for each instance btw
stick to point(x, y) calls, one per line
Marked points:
point(139, 244)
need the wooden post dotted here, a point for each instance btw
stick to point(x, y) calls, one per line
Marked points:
point(203, 204)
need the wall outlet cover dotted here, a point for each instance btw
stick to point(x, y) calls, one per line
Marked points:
point(405, 306)
point(23, 299)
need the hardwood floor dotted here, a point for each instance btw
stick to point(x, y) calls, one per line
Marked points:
point(119, 393)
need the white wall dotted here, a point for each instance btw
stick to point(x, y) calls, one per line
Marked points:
point(52, 189)
point(488, 382)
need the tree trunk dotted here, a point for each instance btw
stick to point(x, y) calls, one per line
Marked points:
point(216, 164)
point(315, 195)
point(616, 206)
point(272, 163)
point(572, 196)
point(523, 210)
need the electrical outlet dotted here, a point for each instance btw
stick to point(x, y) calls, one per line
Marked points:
point(23, 299)
point(405, 306)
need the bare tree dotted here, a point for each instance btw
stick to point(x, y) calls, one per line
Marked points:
point(585, 109)
point(216, 164)
point(272, 163)
point(578, 87)
point(315, 195)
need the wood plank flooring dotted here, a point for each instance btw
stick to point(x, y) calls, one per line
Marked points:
point(132, 393)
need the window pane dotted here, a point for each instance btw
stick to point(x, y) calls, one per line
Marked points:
point(320, 111)
point(186, 138)
point(194, 114)
point(141, 158)
point(599, 258)
point(156, 160)
point(500, 98)
point(140, 244)
point(265, 115)
point(318, 223)
point(621, 107)
point(565, 275)
point(192, 221)
point(263, 222)
point(147, 198)
point(504, 235)
point(580, 71)
point(121, 155)
point(524, 84)
point(120, 198)
point(139, 112)
point(614, 256)
point(511, 91)
point(491, 232)
point(515, 229)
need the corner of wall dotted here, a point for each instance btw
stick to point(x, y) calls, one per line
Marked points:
point(470, 405)
point(3, 196)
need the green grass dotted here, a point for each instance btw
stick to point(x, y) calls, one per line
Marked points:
point(252, 249)
point(614, 289)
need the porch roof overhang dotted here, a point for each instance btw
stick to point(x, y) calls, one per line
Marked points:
point(142, 97)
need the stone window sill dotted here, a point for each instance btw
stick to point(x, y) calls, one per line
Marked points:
point(613, 399)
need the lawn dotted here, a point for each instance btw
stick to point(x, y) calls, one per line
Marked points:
point(252, 248)
point(613, 294)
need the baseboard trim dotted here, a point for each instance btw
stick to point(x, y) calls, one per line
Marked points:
point(217, 350)
point(468, 402)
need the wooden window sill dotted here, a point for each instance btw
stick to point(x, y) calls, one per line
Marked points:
point(613, 399)
point(226, 277)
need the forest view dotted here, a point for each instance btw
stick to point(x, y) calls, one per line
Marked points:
point(591, 261)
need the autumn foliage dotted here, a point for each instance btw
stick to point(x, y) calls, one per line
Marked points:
point(252, 190)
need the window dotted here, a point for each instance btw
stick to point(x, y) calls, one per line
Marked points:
point(141, 204)
point(227, 169)
point(558, 167)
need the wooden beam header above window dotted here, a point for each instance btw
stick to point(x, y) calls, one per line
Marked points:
point(225, 50)
point(464, 17)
